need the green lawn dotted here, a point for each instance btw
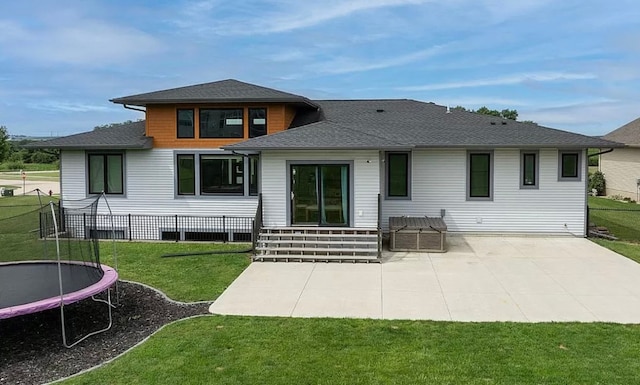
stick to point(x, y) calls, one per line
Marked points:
point(254, 350)
point(629, 250)
point(46, 176)
point(190, 278)
point(623, 224)
point(30, 166)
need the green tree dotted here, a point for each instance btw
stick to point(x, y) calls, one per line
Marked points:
point(509, 114)
point(4, 143)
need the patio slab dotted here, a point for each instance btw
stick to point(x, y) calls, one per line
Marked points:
point(481, 278)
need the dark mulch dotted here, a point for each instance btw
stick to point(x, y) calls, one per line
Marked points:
point(31, 350)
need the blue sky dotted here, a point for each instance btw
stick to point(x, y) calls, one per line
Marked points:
point(571, 64)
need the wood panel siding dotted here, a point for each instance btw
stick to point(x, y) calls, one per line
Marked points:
point(161, 121)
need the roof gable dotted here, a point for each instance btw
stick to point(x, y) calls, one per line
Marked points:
point(628, 134)
point(223, 91)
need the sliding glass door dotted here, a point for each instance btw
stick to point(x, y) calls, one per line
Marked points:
point(320, 194)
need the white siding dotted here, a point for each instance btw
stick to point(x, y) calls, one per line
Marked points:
point(621, 170)
point(149, 187)
point(439, 182)
point(366, 183)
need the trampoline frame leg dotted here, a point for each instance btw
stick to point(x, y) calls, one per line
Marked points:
point(62, 322)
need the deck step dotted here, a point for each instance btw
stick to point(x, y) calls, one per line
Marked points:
point(373, 242)
point(314, 258)
point(317, 249)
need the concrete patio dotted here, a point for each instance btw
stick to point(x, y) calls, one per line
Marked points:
point(522, 279)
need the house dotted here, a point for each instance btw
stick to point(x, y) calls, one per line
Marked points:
point(621, 167)
point(325, 171)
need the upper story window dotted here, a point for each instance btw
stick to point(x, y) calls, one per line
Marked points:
point(105, 173)
point(569, 165)
point(398, 175)
point(221, 123)
point(480, 175)
point(257, 122)
point(185, 123)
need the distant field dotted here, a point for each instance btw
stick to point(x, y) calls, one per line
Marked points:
point(8, 166)
point(47, 176)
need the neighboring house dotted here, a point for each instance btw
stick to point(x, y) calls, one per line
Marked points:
point(621, 167)
point(212, 149)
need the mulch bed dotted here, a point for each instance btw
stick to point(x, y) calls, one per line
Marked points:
point(31, 350)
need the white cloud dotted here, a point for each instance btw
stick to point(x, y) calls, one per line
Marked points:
point(276, 16)
point(346, 65)
point(62, 106)
point(76, 42)
point(504, 80)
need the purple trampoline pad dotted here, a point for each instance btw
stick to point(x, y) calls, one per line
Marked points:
point(30, 287)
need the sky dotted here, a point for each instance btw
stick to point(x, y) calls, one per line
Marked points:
point(570, 64)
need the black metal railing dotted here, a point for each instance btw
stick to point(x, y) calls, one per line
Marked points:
point(257, 223)
point(134, 227)
point(379, 226)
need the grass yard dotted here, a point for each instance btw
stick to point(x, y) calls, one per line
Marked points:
point(192, 278)
point(623, 224)
point(8, 166)
point(254, 350)
point(41, 175)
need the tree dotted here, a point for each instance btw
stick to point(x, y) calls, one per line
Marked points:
point(504, 114)
point(4, 143)
point(485, 111)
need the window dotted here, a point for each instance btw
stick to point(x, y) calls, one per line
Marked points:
point(105, 173)
point(186, 174)
point(253, 174)
point(221, 175)
point(479, 176)
point(398, 175)
point(569, 165)
point(185, 123)
point(221, 123)
point(257, 122)
point(528, 169)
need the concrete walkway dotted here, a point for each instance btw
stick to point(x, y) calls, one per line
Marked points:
point(480, 279)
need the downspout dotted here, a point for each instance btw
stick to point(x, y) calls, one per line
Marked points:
point(600, 153)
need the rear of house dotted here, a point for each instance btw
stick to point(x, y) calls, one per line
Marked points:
point(324, 168)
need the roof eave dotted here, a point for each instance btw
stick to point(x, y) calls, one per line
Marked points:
point(145, 102)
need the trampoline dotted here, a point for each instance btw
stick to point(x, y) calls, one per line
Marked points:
point(33, 286)
point(48, 260)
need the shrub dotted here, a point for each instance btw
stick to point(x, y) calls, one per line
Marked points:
point(597, 182)
point(13, 165)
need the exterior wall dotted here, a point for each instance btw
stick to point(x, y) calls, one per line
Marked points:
point(621, 170)
point(149, 188)
point(161, 121)
point(439, 182)
point(366, 183)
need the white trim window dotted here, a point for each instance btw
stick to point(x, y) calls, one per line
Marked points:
point(569, 166)
point(210, 174)
point(105, 173)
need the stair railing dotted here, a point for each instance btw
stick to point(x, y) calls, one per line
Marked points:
point(257, 224)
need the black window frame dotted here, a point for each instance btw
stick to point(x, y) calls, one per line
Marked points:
point(575, 177)
point(203, 122)
point(105, 172)
point(193, 124)
point(179, 179)
point(470, 175)
point(249, 188)
point(252, 125)
point(220, 189)
point(407, 182)
point(524, 182)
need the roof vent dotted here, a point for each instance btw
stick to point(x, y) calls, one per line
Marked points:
point(504, 122)
point(379, 110)
point(448, 110)
point(493, 123)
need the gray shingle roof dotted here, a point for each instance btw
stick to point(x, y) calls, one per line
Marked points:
point(121, 136)
point(223, 91)
point(628, 134)
point(410, 123)
point(323, 135)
